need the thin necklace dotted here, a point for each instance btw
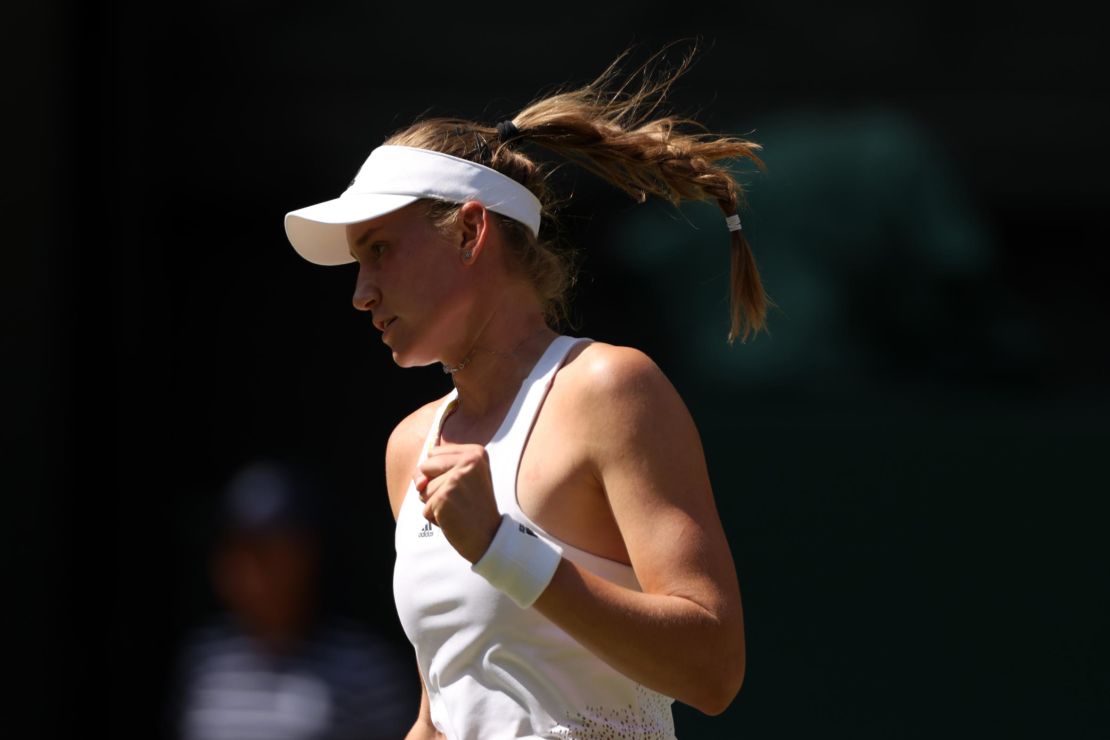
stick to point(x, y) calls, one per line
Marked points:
point(452, 369)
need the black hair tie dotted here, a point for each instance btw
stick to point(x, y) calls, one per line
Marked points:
point(507, 130)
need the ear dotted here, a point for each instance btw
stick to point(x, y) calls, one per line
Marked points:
point(474, 227)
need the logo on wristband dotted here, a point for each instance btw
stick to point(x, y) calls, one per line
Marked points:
point(427, 531)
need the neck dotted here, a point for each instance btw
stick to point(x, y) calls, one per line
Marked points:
point(491, 373)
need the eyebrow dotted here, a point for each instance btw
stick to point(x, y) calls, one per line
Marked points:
point(362, 239)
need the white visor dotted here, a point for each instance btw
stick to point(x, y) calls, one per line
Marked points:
point(391, 178)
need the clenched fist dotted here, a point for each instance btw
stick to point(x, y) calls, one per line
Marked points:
point(455, 484)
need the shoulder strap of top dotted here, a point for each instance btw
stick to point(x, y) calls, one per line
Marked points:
point(510, 439)
point(437, 423)
point(507, 444)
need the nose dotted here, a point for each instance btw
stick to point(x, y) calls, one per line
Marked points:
point(366, 294)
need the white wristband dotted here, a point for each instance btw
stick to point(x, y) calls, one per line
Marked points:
point(518, 562)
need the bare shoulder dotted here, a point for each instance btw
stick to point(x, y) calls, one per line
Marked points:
point(624, 405)
point(601, 375)
point(403, 450)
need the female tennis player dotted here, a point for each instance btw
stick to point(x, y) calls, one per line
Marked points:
point(561, 568)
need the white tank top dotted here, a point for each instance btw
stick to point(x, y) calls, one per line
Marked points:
point(493, 670)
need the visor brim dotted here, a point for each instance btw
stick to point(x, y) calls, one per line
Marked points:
point(319, 232)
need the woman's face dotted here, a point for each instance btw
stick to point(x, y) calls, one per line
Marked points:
point(411, 279)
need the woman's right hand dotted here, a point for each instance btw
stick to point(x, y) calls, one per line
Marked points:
point(456, 486)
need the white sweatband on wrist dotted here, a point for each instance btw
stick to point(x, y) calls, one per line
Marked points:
point(733, 222)
point(518, 562)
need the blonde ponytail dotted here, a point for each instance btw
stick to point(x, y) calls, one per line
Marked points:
point(617, 135)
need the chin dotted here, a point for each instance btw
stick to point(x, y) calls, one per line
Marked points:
point(409, 359)
point(411, 350)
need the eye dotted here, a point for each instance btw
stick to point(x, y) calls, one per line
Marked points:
point(377, 249)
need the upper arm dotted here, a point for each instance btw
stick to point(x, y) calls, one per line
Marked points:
point(402, 452)
point(645, 450)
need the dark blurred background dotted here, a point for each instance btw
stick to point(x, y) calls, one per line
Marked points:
point(910, 466)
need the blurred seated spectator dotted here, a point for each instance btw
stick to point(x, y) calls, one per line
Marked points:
point(273, 666)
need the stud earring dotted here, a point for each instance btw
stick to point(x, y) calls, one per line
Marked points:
point(467, 254)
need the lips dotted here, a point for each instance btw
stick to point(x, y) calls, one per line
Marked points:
point(383, 324)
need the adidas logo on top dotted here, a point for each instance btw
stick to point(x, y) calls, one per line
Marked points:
point(426, 531)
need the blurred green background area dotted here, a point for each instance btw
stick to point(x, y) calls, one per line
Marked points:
point(911, 473)
point(909, 464)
